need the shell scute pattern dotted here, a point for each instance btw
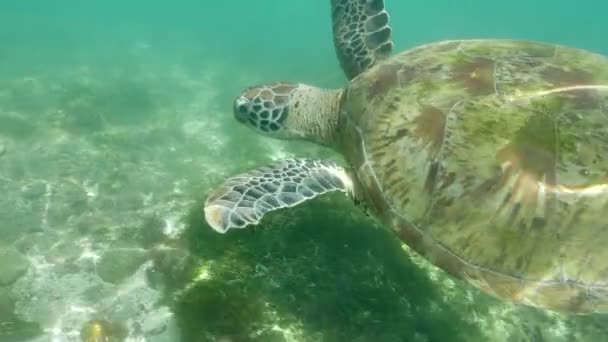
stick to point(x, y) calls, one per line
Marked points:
point(492, 158)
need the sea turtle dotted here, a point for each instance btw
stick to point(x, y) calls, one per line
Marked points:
point(489, 157)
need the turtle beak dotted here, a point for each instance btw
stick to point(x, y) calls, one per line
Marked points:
point(241, 109)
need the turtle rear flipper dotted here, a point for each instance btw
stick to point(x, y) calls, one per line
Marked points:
point(243, 199)
point(362, 35)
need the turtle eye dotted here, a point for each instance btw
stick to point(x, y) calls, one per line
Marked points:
point(241, 108)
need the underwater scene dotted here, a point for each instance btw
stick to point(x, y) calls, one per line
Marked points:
point(121, 120)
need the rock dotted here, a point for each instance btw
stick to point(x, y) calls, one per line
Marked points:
point(173, 267)
point(117, 264)
point(160, 326)
point(18, 330)
point(7, 305)
point(11, 327)
point(13, 265)
point(151, 231)
point(14, 125)
point(35, 191)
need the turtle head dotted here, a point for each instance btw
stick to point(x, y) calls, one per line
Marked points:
point(289, 111)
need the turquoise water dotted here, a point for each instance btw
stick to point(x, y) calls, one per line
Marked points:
point(115, 122)
point(288, 40)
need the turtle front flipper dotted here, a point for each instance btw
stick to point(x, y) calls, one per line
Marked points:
point(362, 35)
point(243, 199)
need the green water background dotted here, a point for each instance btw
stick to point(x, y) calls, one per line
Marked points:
point(159, 64)
point(284, 39)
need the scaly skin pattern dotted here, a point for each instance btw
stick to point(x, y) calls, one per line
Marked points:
point(490, 158)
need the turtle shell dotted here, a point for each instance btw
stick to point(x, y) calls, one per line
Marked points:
point(490, 158)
